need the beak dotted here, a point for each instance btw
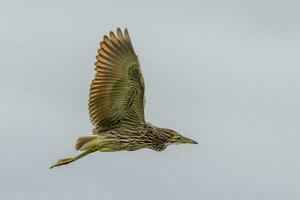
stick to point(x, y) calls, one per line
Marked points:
point(185, 140)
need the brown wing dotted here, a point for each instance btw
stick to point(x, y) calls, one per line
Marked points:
point(117, 92)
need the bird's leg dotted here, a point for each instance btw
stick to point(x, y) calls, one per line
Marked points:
point(66, 161)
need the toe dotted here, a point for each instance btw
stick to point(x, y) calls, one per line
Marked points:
point(62, 162)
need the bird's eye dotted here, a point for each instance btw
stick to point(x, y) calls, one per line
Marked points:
point(175, 135)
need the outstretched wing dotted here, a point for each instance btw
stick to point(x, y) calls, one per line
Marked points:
point(117, 92)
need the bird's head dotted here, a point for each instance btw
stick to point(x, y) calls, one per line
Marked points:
point(174, 137)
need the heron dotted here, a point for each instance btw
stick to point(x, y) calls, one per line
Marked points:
point(116, 104)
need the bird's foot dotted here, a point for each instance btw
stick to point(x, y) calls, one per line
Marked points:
point(64, 161)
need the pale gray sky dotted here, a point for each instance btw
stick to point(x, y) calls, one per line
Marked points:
point(225, 73)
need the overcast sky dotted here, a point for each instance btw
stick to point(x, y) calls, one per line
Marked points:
point(225, 73)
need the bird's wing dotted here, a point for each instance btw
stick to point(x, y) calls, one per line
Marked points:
point(117, 92)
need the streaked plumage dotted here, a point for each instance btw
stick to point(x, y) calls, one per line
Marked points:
point(116, 104)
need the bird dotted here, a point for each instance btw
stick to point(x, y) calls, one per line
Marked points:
point(116, 104)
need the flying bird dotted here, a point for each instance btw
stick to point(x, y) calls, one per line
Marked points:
point(116, 105)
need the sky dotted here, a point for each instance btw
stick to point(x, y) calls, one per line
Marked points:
point(225, 73)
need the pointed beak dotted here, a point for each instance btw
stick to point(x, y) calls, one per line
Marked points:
point(185, 140)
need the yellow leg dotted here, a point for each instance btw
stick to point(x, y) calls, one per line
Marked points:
point(66, 161)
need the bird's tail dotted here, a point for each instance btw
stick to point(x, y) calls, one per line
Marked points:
point(83, 140)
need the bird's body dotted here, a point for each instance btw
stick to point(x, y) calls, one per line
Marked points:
point(125, 138)
point(116, 104)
